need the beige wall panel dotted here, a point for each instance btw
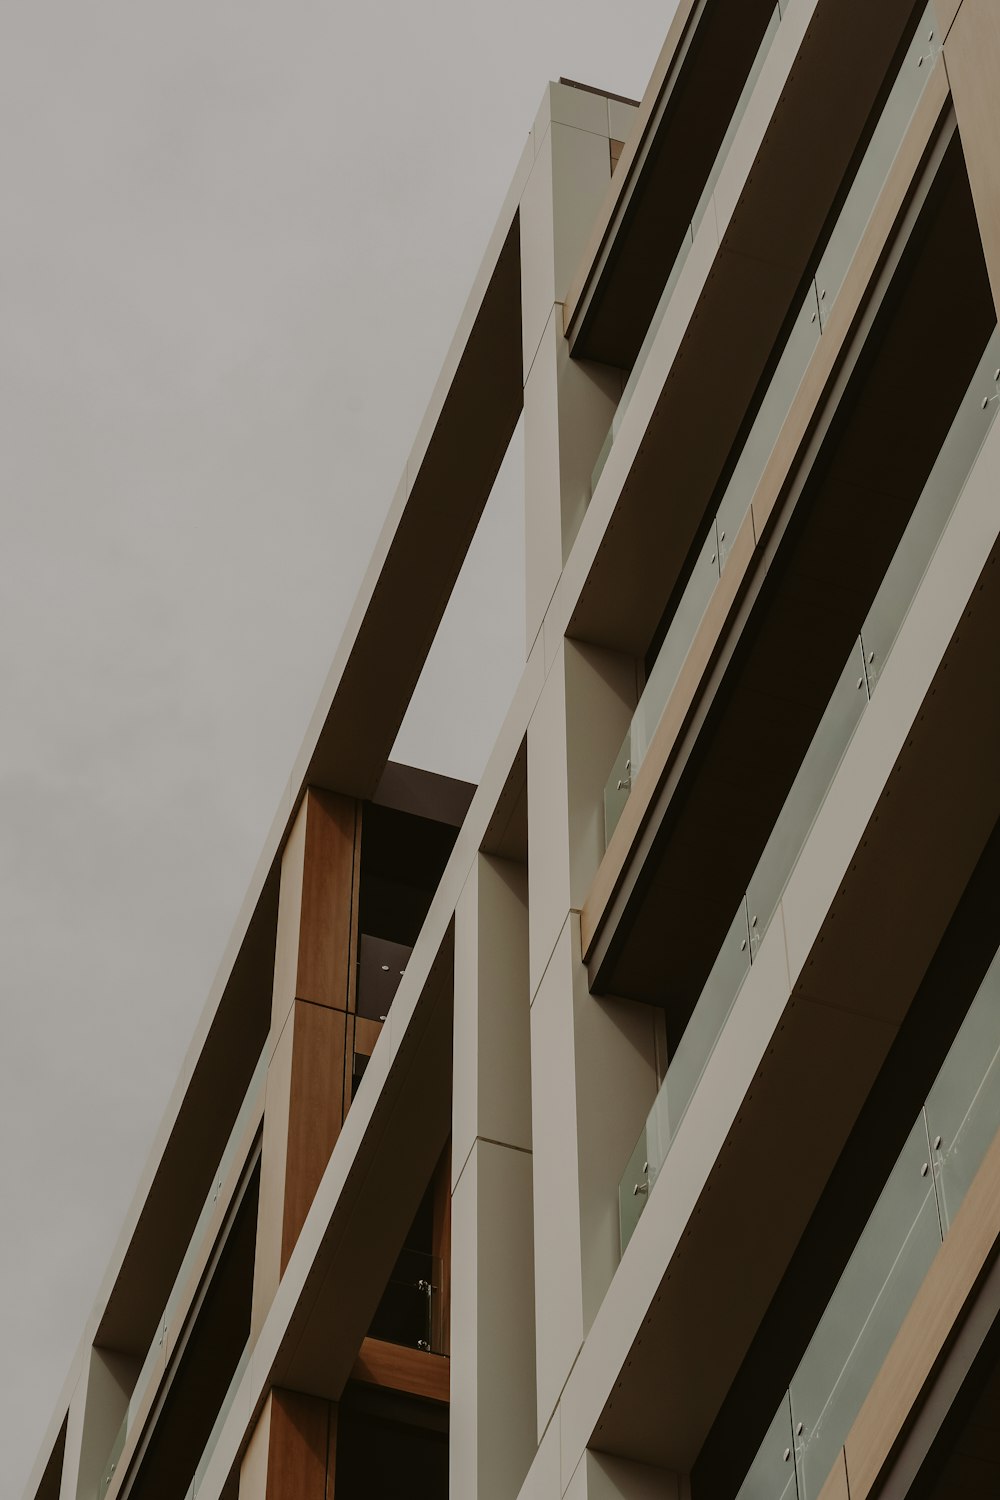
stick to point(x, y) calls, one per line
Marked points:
point(945, 12)
point(548, 833)
point(543, 549)
point(492, 1061)
point(538, 272)
point(621, 119)
point(493, 1348)
point(543, 1481)
point(569, 178)
point(558, 1268)
point(566, 105)
point(972, 56)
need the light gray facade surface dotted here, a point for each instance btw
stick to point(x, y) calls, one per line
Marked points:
point(627, 1126)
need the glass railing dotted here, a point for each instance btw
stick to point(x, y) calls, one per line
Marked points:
point(171, 1319)
point(780, 9)
point(410, 1312)
point(381, 966)
point(813, 315)
point(213, 1438)
point(848, 703)
point(950, 1137)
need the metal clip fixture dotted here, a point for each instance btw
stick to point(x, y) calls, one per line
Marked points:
point(625, 785)
point(642, 1187)
point(934, 50)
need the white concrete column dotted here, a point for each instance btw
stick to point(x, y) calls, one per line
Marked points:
point(601, 1477)
point(492, 1296)
point(595, 1062)
point(568, 404)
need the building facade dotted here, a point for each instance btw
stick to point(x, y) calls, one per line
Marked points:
point(627, 1127)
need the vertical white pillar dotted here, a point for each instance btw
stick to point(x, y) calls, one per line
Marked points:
point(492, 1324)
point(594, 1061)
point(568, 404)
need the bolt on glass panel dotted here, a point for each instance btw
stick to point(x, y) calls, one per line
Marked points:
point(633, 1190)
point(619, 784)
point(111, 1464)
point(963, 1107)
point(865, 1313)
point(772, 1473)
point(410, 1312)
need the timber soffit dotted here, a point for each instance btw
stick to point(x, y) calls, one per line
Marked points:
point(491, 311)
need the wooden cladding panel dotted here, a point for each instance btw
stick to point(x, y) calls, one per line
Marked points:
point(292, 1452)
point(316, 1109)
point(397, 1368)
point(328, 915)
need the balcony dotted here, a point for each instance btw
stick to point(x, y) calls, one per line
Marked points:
point(914, 1215)
point(855, 689)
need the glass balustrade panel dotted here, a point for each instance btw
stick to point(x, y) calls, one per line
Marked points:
point(224, 1410)
point(684, 1070)
point(736, 119)
point(769, 420)
point(619, 784)
point(111, 1465)
point(886, 139)
point(672, 654)
point(807, 794)
point(156, 1357)
point(865, 1313)
point(963, 1107)
point(688, 240)
point(952, 467)
point(633, 1190)
point(772, 1473)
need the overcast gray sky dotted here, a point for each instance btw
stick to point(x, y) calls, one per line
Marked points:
point(236, 238)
